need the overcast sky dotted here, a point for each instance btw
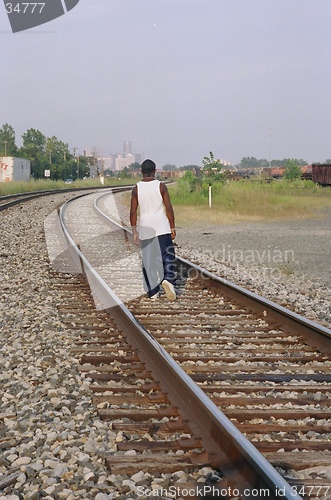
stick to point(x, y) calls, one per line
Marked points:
point(178, 78)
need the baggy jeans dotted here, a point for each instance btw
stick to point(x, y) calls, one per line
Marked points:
point(158, 262)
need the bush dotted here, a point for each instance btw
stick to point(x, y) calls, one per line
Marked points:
point(292, 171)
point(189, 183)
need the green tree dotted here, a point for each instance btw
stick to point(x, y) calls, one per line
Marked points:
point(125, 173)
point(134, 166)
point(46, 153)
point(188, 183)
point(283, 163)
point(213, 169)
point(278, 163)
point(7, 141)
point(190, 167)
point(211, 163)
point(169, 168)
point(57, 153)
point(84, 167)
point(249, 163)
point(55, 149)
point(34, 140)
point(109, 173)
point(292, 170)
point(74, 167)
point(34, 144)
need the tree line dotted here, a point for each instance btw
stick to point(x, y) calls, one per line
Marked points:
point(50, 153)
point(45, 153)
point(246, 163)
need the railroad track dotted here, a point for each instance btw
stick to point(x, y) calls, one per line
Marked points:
point(11, 200)
point(251, 361)
point(162, 372)
point(15, 199)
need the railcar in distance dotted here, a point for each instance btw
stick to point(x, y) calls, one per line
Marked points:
point(321, 173)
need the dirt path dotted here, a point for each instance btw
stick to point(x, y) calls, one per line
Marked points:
point(300, 247)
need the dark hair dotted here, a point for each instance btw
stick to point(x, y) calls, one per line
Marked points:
point(148, 166)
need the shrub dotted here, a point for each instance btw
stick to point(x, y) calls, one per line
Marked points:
point(292, 171)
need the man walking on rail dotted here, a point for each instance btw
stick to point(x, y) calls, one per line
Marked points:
point(156, 232)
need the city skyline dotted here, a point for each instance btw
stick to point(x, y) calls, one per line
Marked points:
point(179, 79)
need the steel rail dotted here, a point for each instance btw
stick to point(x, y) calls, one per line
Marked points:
point(24, 197)
point(240, 462)
point(317, 335)
point(21, 199)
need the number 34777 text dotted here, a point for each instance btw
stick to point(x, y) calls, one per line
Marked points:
point(25, 8)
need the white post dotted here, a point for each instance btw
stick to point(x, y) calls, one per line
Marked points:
point(209, 195)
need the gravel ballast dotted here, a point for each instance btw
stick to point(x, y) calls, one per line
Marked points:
point(51, 438)
point(287, 261)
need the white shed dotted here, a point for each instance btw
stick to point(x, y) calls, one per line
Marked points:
point(14, 169)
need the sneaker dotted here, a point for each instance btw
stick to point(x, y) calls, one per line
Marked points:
point(155, 296)
point(169, 290)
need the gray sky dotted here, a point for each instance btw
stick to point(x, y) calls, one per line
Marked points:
point(178, 78)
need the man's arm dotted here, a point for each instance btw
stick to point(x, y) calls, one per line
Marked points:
point(133, 214)
point(168, 208)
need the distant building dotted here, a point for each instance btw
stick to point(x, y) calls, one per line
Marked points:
point(226, 163)
point(114, 161)
point(127, 148)
point(104, 164)
point(124, 160)
point(14, 169)
point(119, 161)
point(88, 152)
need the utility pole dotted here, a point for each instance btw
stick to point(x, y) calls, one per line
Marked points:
point(77, 171)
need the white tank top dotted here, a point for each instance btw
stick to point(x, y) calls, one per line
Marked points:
point(153, 220)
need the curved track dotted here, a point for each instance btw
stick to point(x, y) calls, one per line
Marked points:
point(223, 348)
point(266, 368)
point(11, 200)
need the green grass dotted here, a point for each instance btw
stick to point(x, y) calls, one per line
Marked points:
point(7, 188)
point(249, 200)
